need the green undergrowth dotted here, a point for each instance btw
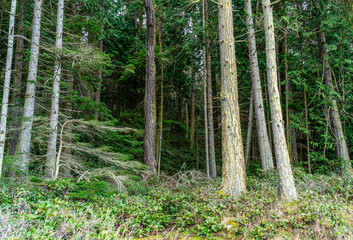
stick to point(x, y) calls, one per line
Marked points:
point(185, 206)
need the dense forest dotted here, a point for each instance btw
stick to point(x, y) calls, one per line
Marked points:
point(176, 119)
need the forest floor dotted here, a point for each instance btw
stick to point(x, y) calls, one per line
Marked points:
point(185, 206)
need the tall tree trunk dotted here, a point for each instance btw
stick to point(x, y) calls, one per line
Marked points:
point(187, 118)
point(262, 133)
point(161, 101)
point(207, 156)
point(100, 78)
point(233, 180)
point(149, 156)
point(18, 69)
point(307, 130)
point(54, 114)
point(285, 174)
point(192, 110)
point(6, 91)
point(24, 144)
point(291, 134)
point(340, 141)
point(213, 170)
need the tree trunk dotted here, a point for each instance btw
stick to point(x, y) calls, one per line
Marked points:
point(233, 180)
point(192, 111)
point(100, 78)
point(54, 114)
point(197, 143)
point(262, 133)
point(161, 102)
point(285, 174)
point(307, 130)
point(149, 156)
point(338, 135)
point(248, 135)
point(291, 134)
point(207, 156)
point(18, 69)
point(24, 144)
point(6, 91)
point(212, 158)
point(187, 118)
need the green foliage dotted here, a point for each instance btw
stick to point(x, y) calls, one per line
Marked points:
point(42, 209)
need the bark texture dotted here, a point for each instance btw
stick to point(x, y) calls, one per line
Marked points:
point(284, 169)
point(336, 125)
point(149, 155)
point(233, 179)
point(192, 110)
point(54, 114)
point(262, 133)
point(161, 101)
point(6, 91)
point(211, 143)
point(15, 112)
point(24, 144)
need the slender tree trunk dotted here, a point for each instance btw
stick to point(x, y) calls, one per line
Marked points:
point(212, 158)
point(340, 141)
point(264, 143)
point(161, 101)
point(24, 144)
point(207, 156)
point(18, 69)
point(307, 130)
point(233, 180)
point(149, 155)
point(7, 81)
point(291, 134)
point(285, 174)
point(100, 78)
point(187, 118)
point(54, 114)
point(249, 132)
point(192, 110)
point(197, 143)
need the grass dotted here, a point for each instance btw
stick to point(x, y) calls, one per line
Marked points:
point(186, 206)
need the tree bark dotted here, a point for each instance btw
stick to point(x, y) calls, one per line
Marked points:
point(7, 81)
point(54, 114)
point(262, 133)
point(149, 155)
point(161, 102)
point(291, 133)
point(336, 125)
point(212, 158)
point(192, 110)
point(233, 179)
point(207, 156)
point(24, 144)
point(100, 78)
point(197, 143)
point(284, 169)
point(249, 132)
point(16, 96)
